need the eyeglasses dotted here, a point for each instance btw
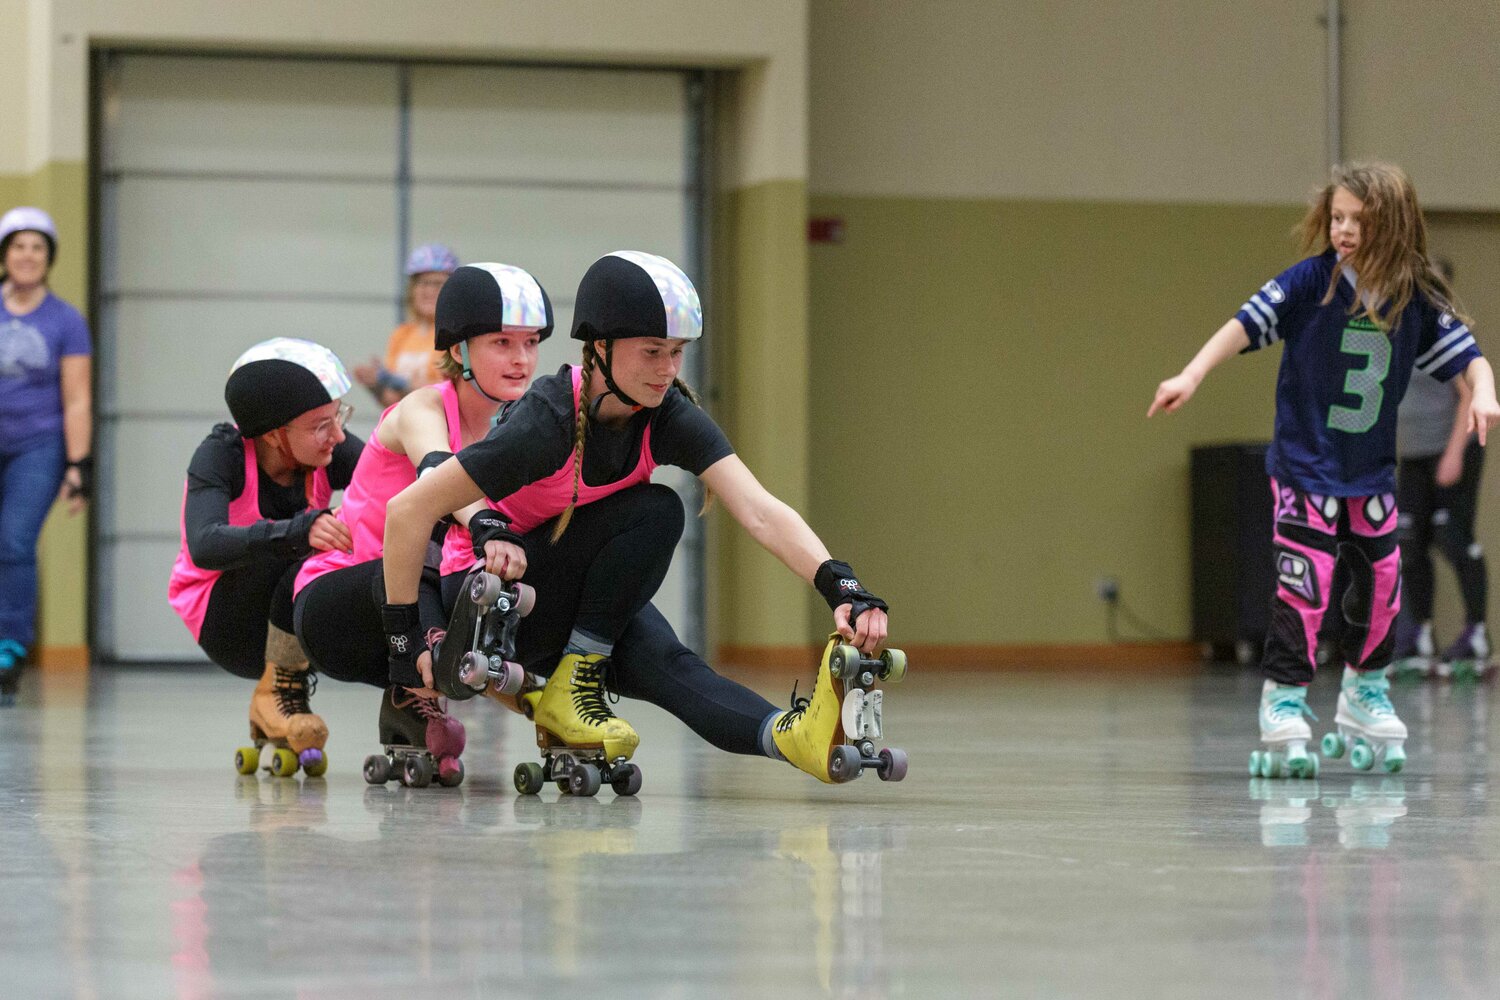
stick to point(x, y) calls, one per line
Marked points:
point(327, 430)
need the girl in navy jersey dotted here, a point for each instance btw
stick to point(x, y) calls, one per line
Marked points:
point(1356, 318)
point(255, 505)
point(578, 519)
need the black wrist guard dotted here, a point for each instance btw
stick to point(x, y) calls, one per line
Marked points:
point(836, 582)
point(85, 487)
point(404, 642)
point(491, 526)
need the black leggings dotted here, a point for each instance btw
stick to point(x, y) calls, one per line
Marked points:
point(651, 664)
point(597, 577)
point(1445, 515)
point(337, 620)
point(242, 602)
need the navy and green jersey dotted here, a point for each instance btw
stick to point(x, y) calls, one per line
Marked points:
point(1342, 378)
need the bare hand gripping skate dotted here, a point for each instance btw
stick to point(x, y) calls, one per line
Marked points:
point(478, 651)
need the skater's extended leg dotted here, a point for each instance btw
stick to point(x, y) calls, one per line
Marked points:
point(652, 664)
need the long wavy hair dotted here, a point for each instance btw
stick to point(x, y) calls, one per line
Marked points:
point(1391, 263)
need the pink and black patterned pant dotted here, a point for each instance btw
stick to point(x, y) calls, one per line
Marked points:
point(1312, 534)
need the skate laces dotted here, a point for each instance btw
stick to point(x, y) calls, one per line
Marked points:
point(292, 689)
point(1289, 706)
point(1373, 696)
point(789, 718)
point(589, 694)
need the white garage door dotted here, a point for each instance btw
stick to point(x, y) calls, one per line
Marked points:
point(247, 198)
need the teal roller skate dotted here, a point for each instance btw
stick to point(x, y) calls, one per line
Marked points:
point(1469, 656)
point(1368, 727)
point(1285, 734)
point(1416, 652)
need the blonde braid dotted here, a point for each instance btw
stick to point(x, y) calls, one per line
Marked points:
point(583, 423)
point(687, 390)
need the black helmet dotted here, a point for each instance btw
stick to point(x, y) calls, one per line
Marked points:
point(483, 298)
point(278, 380)
point(630, 293)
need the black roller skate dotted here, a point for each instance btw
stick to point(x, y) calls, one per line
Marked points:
point(421, 740)
point(476, 653)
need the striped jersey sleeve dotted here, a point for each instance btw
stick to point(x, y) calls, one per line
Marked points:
point(1446, 348)
point(1266, 314)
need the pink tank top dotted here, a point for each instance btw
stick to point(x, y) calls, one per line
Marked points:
point(539, 502)
point(379, 476)
point(190, 587)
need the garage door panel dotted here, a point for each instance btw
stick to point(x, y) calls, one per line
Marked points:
point(206, 236)
point(555, 125)
point(306, 118)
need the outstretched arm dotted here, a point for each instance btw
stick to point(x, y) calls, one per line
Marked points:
point(781, 531)
point(1230, 340)
point(1484, 411)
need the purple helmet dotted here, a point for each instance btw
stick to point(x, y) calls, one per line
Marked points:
point(431, 257)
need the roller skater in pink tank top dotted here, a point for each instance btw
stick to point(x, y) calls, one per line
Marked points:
point(490, 319)
point(569, 469)
point(1356, 318)
point(255, 505)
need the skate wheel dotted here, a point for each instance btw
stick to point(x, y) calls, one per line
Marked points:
point(1394, 760)
point(844, 763)
point(584, 780)
point(485, 589)
point(893, 666)
point(512, 679)
point(450, 772)
point(247, 759)
point(283, 763)
point(416, 771)
point(1362, 756)
point(1334, 745)
point(528, 778)
point(626, 780)
point(377, 769)
point(892, 765)
point(843, 661)
point(525, 599)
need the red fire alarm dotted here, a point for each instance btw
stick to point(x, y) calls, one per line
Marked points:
point(825, 229)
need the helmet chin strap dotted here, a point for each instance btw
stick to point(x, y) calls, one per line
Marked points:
point(609, 377)
point(473, 379)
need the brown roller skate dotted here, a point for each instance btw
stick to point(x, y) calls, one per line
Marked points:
point(281, 717)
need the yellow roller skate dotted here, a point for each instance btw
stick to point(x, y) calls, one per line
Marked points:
point(832, 734)
point(583, 743)
point(281, 717)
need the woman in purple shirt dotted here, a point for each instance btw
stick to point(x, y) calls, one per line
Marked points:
point(45, 418)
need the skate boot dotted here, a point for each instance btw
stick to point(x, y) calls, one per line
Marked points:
point(1469, 656)
point(281, 717)
point(482, 630)
point(583, 742)
point(1415, 654)
point(1285, 733)
point(832, 734)
point(1368, 726)
point(11, 655)
point(421, 741)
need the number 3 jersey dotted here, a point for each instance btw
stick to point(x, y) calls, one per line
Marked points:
point(1342, 378)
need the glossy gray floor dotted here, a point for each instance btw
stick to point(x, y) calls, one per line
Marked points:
point(1057, 836)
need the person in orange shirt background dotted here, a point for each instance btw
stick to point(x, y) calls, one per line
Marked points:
point(410, 362)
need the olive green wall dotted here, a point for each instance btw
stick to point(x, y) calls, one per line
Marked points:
point(981, 376)
point(62, 555)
